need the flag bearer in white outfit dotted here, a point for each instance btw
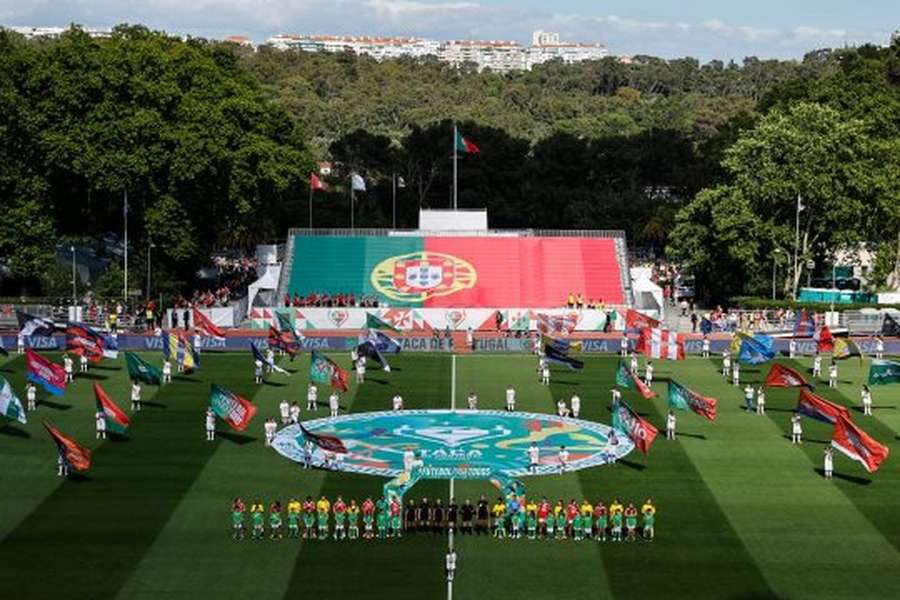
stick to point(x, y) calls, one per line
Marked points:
point(817, 366)
point(101, 425)
point(832, 374)
point(705, 351)
point(726, 364)
point(829, 462)
point(472, 401)
point(623, 345)
point(792, 348)
point(736, 374)
point(312, 395)
point(865, 395)
point(648, 373)
point(68, 365)
point(561, 409)
point(634, 363)
point(534, 457)
point(210, 425)
point(545, 374)
point(510, 398)
point(796, 430)
point(360, 370)
point(31, 395)
point(670, 425)
point(284, 409)
point(270, 427)
point(334, 404)
point(761, 400)
point(167, 371)
point(258, 371)
point(450, 564)
point(136, 403)
point(83, 363)
point(563, 459)
point(575, 404)
point(748, 397)
point(397, 402)
point(295, 413)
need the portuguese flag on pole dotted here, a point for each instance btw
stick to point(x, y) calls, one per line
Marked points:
point(325, 371)
point(141, 370)
point(116, 420)
point(466, 145)
point(641, 431)
point(682, 398)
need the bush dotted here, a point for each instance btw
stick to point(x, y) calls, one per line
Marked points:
point(756, 303)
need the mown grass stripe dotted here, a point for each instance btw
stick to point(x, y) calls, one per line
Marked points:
point(693, 531)
point(411, 567)
point(101, 527)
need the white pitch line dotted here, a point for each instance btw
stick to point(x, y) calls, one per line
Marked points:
point(452, 407)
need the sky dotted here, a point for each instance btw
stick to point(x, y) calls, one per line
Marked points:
point(704, 29)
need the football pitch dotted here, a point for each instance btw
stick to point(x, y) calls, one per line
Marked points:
point(742, 513)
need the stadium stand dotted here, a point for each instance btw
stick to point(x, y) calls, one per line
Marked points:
point(441, 270)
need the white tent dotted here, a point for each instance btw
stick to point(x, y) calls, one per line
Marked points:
point(263, 290)
point(648, 297)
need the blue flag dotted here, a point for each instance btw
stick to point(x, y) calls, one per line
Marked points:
point(258, 355)
point(383, 342)
point(706, 326)
point(757, 350)
point(370, 350)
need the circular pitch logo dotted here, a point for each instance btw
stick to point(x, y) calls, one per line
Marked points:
point(418, 276)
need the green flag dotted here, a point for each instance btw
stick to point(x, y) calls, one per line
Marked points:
point(140, 370)
point(373, 322)
point(883, 372)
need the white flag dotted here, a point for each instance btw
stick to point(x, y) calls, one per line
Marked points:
point(10, 406)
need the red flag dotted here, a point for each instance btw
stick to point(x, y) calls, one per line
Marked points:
point(81, 340)
point(324, 441)
point(636, 320)
point(76, 457)
point(315, 184)
point(283, 341)
point(781, 376)
point(824, 340)
point(820, 409)
point(205, 324)
point(856, 444)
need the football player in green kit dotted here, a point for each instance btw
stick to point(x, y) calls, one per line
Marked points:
point(381, 520)
point(577, 528)
point(353, 520)
point(275, 521)
point(531, 524)
point(561, 525)
point(237, 520)
point(617, 526)
point(257, 515)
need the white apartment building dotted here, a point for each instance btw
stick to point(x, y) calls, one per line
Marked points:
point(55, 32)
point(496, 55)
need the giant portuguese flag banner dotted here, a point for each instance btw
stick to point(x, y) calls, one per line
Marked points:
point(448, 271)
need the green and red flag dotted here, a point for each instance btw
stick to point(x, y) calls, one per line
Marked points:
point(75, 456)
point(325, 371)
point(639, 430)
point(374, 322)
point(231, 408)
point(682, 398)
point(116, 420)
point(882, 372)
point(141, 370)
point(465, 145)
point(628, 379)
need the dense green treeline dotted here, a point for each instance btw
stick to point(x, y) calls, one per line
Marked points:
point(214, 144)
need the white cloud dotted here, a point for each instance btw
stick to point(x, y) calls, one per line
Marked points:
point(404, 8)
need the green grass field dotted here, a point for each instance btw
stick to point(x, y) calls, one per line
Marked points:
point(742, 512)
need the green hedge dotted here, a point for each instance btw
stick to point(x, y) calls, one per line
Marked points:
point(755, 303)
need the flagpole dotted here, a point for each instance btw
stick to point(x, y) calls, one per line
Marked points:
point(394, 194)
point(310, 204)
point(455, 135)
point(352, 198)
point(125, 211)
